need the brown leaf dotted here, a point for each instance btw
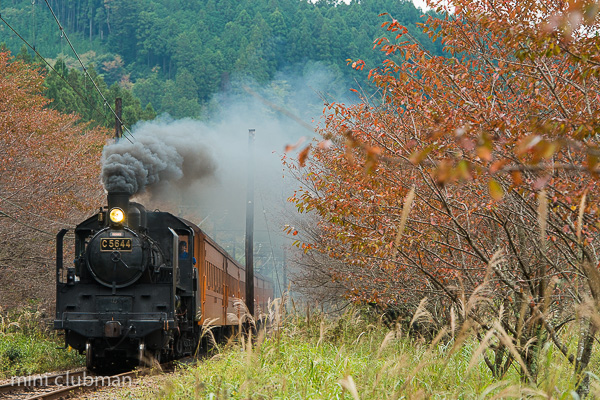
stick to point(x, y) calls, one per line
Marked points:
point(303, 156)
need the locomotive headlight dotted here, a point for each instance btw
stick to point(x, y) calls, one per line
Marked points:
point(117, 215)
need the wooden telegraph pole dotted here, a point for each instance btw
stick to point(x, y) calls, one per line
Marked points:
point(250, 225)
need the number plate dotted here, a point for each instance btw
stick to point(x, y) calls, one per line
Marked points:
point(113, 303)
point(115, 244)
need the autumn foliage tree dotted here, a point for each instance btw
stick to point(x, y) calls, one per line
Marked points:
point(49, 179)
point(472, 179)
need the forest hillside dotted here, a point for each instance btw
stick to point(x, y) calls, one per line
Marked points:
point(175, 55)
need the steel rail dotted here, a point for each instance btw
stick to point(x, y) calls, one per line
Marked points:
point(32, 381)
point(94, 383)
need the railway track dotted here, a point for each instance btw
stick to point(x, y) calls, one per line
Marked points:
point(63, 385)
point(73, 383)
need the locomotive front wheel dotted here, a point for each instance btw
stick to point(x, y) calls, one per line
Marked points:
point(89, 356)
point(145, 357)
point(142, 355)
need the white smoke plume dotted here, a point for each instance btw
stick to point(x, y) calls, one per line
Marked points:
point(198, 169)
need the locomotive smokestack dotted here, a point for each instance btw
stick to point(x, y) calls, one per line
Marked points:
point(118, 199)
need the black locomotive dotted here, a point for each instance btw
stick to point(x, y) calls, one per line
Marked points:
point(143, 283)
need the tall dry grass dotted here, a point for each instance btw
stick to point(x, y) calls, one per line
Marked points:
point(356, 355)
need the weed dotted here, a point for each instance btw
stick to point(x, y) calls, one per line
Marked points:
point(356, 356)
point(28, 347)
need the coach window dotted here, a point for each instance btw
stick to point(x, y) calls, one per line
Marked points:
point(208, 276)
point(211, 284)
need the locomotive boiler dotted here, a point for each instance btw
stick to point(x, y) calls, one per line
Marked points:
point(143, 283)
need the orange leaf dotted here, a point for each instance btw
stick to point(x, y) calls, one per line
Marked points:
point(303, 156)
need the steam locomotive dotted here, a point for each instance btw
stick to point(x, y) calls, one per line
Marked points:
point(134, 293)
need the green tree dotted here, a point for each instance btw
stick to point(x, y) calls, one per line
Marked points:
point(181, 96)
point(24, 55)
point(279, 39)
point(63, 96)
point(150, 89)
point(147, 35)
point(123, 26)
point(211, 65)
point(132, 111)
point(185, 53)
point(212, 39)
point(148, 112)
point(257, 58)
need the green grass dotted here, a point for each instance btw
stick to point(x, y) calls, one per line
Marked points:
point(28, 347)
point(353, 357)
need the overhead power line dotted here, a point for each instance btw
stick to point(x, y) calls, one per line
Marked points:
point(271, 243)
point(94, 107)
point(85, 71)
point(4, 199)
point(2, 213)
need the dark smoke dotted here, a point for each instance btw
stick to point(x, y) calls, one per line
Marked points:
point(159, 159)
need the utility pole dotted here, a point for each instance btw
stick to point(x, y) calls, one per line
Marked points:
point(250, 225)
point(118, 112)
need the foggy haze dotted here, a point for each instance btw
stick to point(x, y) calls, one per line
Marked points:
point(198, 169)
